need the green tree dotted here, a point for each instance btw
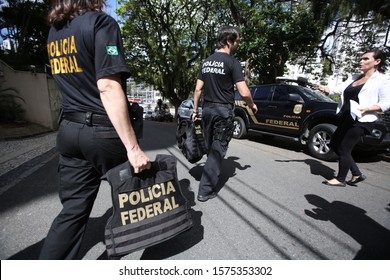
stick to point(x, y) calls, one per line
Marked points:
point(165, 41)
point(356, 25)
point(330, 10)
point(277, 31)
point(274, 32)
point(23, 22)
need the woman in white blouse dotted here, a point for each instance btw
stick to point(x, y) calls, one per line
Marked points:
point(371, 92)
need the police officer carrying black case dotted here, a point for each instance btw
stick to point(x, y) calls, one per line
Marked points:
point(95, 133)
point(217, 77)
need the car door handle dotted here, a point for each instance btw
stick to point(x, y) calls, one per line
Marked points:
point(272, 106)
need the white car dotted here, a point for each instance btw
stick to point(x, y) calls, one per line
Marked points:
point(185, 110)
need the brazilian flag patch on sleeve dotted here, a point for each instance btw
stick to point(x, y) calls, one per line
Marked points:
point(112, 50)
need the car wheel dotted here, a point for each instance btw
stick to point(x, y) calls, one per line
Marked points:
point(319, 140)
point(239, 130)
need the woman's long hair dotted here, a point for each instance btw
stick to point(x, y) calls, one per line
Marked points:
point(64, 10)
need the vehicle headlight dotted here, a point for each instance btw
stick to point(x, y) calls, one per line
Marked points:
point(376, 133)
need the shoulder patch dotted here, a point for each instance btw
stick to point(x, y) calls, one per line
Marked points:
point(112, 50)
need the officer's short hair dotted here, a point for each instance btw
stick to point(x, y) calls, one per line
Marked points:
point(227, 34)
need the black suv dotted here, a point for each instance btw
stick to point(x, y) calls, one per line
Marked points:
point(299, 113)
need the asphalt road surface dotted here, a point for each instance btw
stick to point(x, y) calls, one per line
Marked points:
point(271, 206)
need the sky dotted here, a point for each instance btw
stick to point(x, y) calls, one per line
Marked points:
point(111, 5)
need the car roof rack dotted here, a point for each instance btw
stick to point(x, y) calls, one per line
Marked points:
point(302, 81)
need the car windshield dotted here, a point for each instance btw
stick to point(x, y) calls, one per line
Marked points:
point(315, 96)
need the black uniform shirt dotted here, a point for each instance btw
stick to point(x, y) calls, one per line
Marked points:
point(219, 73)
point(86, 49)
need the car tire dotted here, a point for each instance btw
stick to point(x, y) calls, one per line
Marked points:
point(239, 130)
point(319, 140)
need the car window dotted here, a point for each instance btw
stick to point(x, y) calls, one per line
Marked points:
point(311, 94)
point(262, 93)
point(280, 93)
point(188, 104)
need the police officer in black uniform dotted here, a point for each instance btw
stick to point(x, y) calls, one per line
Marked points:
point(95, 134)
point(217, 77)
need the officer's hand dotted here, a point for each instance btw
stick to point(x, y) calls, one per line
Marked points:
point(254, 108)
point(195, 116)
point(138, 159)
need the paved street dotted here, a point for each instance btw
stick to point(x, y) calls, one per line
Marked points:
point(272, 206)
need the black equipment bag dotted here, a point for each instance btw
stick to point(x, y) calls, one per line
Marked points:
point(190, 140)
point(148, 207)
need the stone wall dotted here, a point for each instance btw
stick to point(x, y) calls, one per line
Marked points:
point(39, 92)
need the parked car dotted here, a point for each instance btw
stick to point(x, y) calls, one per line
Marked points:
point(185, 110)
point(161, 115)
point(379, 139)
point(158, 116)
point(299, 113)
point(168, 117)
point(148, 115)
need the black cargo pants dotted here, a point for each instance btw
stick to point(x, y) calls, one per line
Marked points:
point(86, 153)
point(218, 130)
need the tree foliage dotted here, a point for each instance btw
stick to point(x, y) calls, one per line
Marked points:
point(329, 10)
point(354, 25)
point(165, 41)
point(23, 22)
point(281, 30)
point(274, 32)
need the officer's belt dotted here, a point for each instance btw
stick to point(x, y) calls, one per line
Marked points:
point(216, 104)
point(88, 118)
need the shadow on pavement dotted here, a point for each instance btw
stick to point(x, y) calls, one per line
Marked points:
point(94, 234)
point(40, 183)
point(369, 156)
point(316, 167)
point(229, 167)
point(276, 141)
point(183, 241)
point(30, 253)
point(360, 156)
point(374, 238)
point(158, 136)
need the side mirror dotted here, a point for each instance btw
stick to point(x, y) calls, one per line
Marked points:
point(294, 97)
